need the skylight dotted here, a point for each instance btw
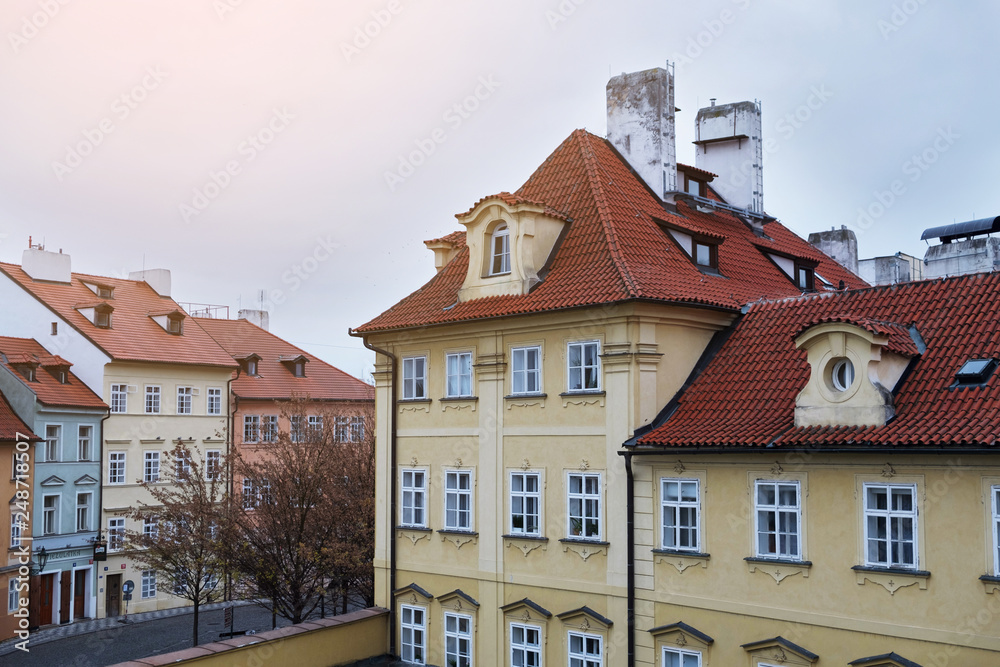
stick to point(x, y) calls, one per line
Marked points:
point(975, 372)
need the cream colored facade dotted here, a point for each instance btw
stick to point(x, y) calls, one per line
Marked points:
point(646, 353)
point(132, 434)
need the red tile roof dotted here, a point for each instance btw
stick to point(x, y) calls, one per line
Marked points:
point(615, 251)
point(274, 380)
point(46, 387)
point(745, 397)
point(133, 336)
point(11, 425)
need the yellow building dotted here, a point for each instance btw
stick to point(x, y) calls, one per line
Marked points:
point(164, 378)
point(562, 319)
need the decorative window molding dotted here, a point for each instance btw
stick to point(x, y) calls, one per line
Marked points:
point(413, 505)
point(890, 528)
point(525, 504)
point(779, 651)
point(681, 645)
point(414, 378)
point(458, 496)
point(680, 514)
point(458, 375)
point(778, 519)
point(884, 660)
point(458, 634)
point(583, 366)
point(584, 493)
point(526, 370)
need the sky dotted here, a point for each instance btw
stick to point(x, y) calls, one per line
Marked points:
point(295, 155)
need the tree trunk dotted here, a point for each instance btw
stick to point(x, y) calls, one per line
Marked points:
point(195, 638)
point(343, 592)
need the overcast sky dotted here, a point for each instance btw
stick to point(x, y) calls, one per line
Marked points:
point(251, 145)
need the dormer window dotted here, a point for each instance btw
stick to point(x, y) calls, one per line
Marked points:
point(805, 278)
point(702, 249)
point(300, 369)
point(175, 325)
point(27, 371)
point(695, 187)
point(842, 374)
point(102, 316)
point(706, 255)
point(105, 292)
point(500, 250)
point(251, 367)
point(295, 364)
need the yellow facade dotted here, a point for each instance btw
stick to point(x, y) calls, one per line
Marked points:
point(134, 432)
point(646, 353)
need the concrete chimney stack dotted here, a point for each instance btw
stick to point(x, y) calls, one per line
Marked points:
point(44, 265)
point(158, 279)
point(641, 125)
point(729, 144)
point(840, 244)
point(258, 317)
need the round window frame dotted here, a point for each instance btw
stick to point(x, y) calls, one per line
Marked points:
point(836, 365)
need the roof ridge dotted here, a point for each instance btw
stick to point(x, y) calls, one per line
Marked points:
point(591, 165)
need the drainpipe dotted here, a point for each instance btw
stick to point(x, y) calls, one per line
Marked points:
point(230, 439)
point(630, 567)
point(392, 485)
point(100, 505)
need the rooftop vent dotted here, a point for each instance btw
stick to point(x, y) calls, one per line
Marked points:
point(975, 372)
point(962, 230)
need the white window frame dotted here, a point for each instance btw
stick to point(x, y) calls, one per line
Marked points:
point(501, 236)
point(587, 510)
point(151, 466)
point(458, 375)
point(53, 443)
point(116, 467)
point(148, 586)
point(13, 601)
point(680, 508)
point(357, 429)
point(182, 466)
point(525, 496)
point(585, 657)
point(116, 534)
point(458, 517)
point(410, 650)
point(295, 432)
point(523, 376)
point(251, 429)
point(84, 442)
point(459, 652)
point(779, 511)
point(84, 508)
point(413, 497)
point(119, 398)
point(16, 530)
point(889, 515)
point(414, 378)
point(151, 527)
point(524, 647)
point(214, 406)
point(315, 427)
point(256, 492)
point(185, 398)
point(269, 428)
point(680, 653)
point(995, 502)
point(213, 464)
point(50, 515)
point(154, 396)
point(582, 368)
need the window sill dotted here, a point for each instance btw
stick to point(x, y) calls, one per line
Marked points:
point(990, 583)
point(414, 400)
point(457, 399)
point(584, 548)
point(414, 405)
point(458, 403)
point(583, 398)
point(890, 578)
point(536, 394)
point(778, 569)
point(459, 537)
point(584, 392)
point(457, 531)
point(525, 400)
point(582, 540)
point(680, 559)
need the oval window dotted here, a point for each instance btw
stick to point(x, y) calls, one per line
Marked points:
point(843, 374)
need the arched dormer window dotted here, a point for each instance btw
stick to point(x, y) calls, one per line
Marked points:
point(500, 250)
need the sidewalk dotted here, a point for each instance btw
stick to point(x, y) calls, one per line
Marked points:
point(51, 633)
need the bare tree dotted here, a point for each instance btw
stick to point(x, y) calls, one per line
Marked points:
point(182, 527)
point(300, 511)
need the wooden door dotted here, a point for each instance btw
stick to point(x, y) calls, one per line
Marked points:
point(47, 591)
point(113, 596)
point(79, 594)
point(65, 591)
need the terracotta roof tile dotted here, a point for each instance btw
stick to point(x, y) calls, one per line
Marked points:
point(274, 380)
point(746, 395)
point(46, 387)
point(11, 425)
point(133, 336)
point(614, 249)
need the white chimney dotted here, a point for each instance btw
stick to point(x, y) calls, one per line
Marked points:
point(44, 265)
point(729, 143)
point(158, 279)
point(258, 317)
point(641, 125)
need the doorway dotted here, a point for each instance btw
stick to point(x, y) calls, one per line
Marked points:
point(46, 593)
point(113, 596)
point(65, 582)
point(80, 594)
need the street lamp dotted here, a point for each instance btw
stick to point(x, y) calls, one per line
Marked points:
point(39, 566)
